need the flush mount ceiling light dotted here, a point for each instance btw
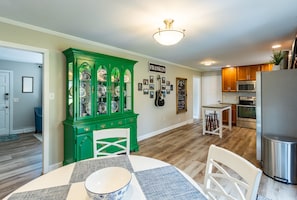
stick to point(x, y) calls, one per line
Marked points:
point(276, 46)
point(169, 36)
point(208, 62)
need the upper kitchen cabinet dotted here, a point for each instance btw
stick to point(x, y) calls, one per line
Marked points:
point(99, 95)
point(246, 73)
point(266, 67)
point(229, 79)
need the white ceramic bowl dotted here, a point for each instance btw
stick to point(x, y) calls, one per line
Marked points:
point(109, 183)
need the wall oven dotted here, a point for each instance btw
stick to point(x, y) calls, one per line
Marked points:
point(246, 112)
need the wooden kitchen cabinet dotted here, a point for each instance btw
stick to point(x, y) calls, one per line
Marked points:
point(226, 115)
point(266, 67)
point(229, 79)
point(247, 73)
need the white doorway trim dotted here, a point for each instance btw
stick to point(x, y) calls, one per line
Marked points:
point(197, 97)
point(45, 97)
point(10, 74)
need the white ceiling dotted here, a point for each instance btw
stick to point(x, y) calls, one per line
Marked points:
point(231, 32)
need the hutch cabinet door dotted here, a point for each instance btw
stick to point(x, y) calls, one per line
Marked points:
point(102, 90)
point(133, 137)
point(115, 90)
point(128, 91)
point(85, 88)
point(70, 91)
point(84, 146)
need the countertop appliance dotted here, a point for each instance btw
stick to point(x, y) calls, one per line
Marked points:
point(276, 100)
point(246, 86)
point(246, 112)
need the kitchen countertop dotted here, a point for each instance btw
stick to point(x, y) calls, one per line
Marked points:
point(221, 105)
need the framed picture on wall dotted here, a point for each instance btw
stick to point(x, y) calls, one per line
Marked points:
point(145, 81)
point(152, 86)
point(139, 86)
point(145, 91)
point(151, 79)
point(27, 84)
point(152, 94)
point(181, 95)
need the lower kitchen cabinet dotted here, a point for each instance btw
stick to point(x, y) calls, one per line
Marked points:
point(226, 115)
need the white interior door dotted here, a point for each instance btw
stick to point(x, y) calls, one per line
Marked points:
point(4, 103)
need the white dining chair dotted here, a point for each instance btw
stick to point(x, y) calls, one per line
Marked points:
point(229, 176)
point(117, 139)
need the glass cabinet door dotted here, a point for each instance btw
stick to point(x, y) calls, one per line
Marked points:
point(102, 92)
point(127, 91)
point(70, 89)
point(85, 90)
point(115, 90)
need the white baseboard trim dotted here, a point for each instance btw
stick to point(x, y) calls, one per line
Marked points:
point(148, 135)
point(24, 130)
point(54, 166)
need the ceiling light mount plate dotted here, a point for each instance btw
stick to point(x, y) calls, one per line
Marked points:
point(168, 36)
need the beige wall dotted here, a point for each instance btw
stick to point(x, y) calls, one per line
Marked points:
point(152, 120)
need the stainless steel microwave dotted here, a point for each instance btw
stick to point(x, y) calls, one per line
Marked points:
point(246, 86)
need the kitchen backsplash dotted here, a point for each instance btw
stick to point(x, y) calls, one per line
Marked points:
point(233, 97)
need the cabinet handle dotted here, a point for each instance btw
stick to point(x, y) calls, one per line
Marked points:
point(103, 126)
point(87, 129)
point(120, 123)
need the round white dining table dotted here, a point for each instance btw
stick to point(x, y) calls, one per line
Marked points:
point(151, 179)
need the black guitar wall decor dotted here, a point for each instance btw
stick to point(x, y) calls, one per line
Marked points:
point(159, 101)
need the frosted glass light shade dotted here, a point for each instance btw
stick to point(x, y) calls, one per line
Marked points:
point(168, 36)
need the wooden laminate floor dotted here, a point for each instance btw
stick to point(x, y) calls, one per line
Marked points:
point(184, 147)
point(187, 149)
point(20, 162)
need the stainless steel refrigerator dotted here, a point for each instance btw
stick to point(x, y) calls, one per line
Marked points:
point(276, 126)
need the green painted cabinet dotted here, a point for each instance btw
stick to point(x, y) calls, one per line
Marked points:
point(99, 95)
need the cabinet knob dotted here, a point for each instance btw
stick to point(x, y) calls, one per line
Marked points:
point(87, 129)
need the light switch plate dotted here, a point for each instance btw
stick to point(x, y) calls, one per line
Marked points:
point(51, 95)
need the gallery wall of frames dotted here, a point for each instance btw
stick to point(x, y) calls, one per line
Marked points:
point(151, 84)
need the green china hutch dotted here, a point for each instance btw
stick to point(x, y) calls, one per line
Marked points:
point(99, 95)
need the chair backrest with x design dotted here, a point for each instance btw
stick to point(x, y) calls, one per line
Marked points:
point(230, 176)
point(112, 141)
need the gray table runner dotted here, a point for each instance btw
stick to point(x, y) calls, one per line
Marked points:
point(166, 183)
point(84, 168)
point(53, 193)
